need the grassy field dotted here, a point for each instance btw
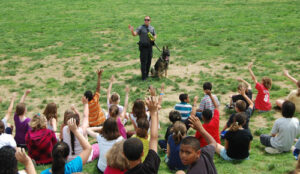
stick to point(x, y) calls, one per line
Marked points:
point(54, 48)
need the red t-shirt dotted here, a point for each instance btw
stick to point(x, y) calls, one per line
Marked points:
point(212, 128)
point(262, 101)
point(109, 170)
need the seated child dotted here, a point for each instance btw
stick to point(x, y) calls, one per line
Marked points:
point(237, 140)
point(106, 137)
point(116, 161)
point(133, 147)
point(211, 122)
point(61, 150)
point(173, 117)
point(173, 147)
point(138, 111)
point(9, 158)
point(142, 134)
point(96, 114)
point(113, 99)
point(262, 101)
point(6, 139)
point(40, 140)
point(284, 131)
point(50, 113)
point(67, 113)
point(294, 95)
point(240, 107)
point(206, 102)
point(243, 85)
point(200, 160)
point(21, 121)
point(184, 108)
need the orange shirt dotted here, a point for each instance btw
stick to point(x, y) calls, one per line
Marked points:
point(96, 115)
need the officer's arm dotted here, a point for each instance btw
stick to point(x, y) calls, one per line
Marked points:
point(134, 33)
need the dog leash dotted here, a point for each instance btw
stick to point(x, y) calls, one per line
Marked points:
point(157, 47)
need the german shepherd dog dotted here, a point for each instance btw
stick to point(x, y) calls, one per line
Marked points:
point(162, 63)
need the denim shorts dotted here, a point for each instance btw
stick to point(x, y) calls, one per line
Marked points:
point(224, 155)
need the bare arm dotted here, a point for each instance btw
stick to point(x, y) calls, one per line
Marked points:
point(22, 100)
point(11, 106)
point(244, 81)
point(286, 73)
point(109, 87)
point(247, 98)
point(251, 72)
point(86, 147)
point(54, 124)
point(162, 89)
point(125, 103)
point(85, 123)
point(93, 131)
point(23, 158)
point(74, 109)
point(196, 124)
point(213, 100)
point(152, 104)
point(168, 150)
point(133, 123)
point(99, 73)
point(134, 33)
point(194, 108)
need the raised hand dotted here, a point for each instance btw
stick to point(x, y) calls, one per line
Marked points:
point(195, 123)
point(130, 27)
point(27, 91)
point(21, 156)
point(152, 103)
point(127, 89)
point(112, 79)
point(196, 99)
point(239, 79)
point(152, 91)
point(250, 65)
point(99, 72)
point(84, 100)
point(72, 124)
point(286, 72)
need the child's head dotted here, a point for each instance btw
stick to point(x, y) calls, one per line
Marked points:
point(139, 109)
point(115, 157)
point(174, 116)
point(8, 161)
point(179, 131)
point(2, 127)
point(50, 111)
point(114, 98)
point(206, 115)
point(133, 149)
point(110, 130)
point(240, 106)
point(288, 109)
point(38, 122)
point(189, 150)
point(21, 109)
point(89, 95)
point(143, 126)
point(113, 111)
point(207, 86)
point(184, 98)
point(242, 86)
point(60, 152)
point(239, 120)
point(267, 82)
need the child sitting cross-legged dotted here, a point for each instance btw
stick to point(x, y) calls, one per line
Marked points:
point(183, 107)
point(199, 160)
point(243, 85)
point(133, 147)
point(206, 102)
point(237, 140)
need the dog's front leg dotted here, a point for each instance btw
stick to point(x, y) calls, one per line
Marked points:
point(166, 73)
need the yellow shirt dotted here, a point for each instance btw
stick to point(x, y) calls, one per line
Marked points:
point(145, 146)
point(292, 97)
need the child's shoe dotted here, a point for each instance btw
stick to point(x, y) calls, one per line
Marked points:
point(272, 150)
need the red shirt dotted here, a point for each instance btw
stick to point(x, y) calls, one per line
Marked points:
point(110, 170)
point(212, 128)
point(262, 101)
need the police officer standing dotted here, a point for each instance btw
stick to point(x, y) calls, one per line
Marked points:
point(145, 44)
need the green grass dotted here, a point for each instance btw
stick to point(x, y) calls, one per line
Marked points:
point(54, 48)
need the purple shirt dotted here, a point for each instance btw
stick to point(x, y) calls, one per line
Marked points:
point(21, 129)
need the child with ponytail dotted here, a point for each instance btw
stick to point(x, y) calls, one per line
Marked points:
point(237, 140)
point(61, 151)
point(173, 146)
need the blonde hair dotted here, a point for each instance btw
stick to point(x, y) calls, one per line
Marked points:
point(267, 82)
point(238, 120)
point(179, 131)
point(115, 97)
point(115, 157)
point(242, 86)
point(38, 122)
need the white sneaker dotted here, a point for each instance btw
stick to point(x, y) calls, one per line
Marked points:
point(272, 150)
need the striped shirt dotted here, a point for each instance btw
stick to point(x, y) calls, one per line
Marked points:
point(96, 115)
point(185, 109)
point(206, 103)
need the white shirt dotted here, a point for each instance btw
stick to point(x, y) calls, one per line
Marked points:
point(286, 130)
point(7, 140)
point(104, 147)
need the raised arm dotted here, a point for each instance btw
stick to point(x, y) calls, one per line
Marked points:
point(23, 158)
point(213, 99)
point(196, 124)
point(286, 73)
point(162, 90)
point(86, 147)
point(93, 131)
point(109, 87)
point(243, 92)
point(251, 72)
point(194, 108)
point(134, 33)
point(99, 73)
point(125, 103)
point(152, 104)
point(85, 123)
point(11, 106)
point(22, 100)
point(244, 81)
point(74, 109)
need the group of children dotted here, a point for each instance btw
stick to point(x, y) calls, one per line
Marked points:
point(119, 150)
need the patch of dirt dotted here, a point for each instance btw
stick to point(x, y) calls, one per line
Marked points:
point(57, 44)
